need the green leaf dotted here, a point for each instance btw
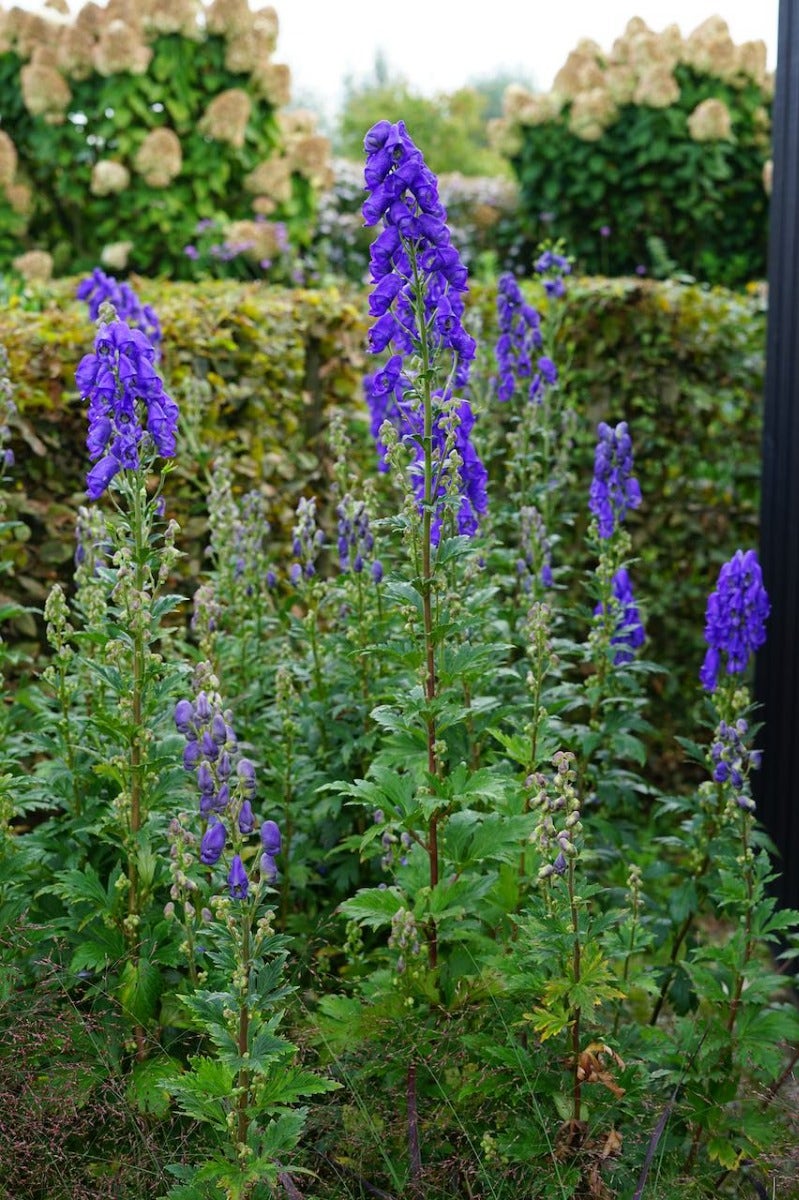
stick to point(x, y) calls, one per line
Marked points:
point(373, 907)
point(101, 949)
point(139, 990)
point(287, 1085)
point(147, 1084)
point(204, 1091)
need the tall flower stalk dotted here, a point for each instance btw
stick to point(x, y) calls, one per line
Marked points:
point(417, 303)
point(243, 1085)
point(132, 423)
point(735, 628)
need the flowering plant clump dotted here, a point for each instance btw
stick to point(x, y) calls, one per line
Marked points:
point(129, 410)
point(614, 488)
point(455, 761)
point(735, 621)
point(307, 541)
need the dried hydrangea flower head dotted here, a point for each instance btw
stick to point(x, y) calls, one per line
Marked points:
point(109, 177)
point(159, 158)
point(45, 92)
point(8, 159)
point(225, 119)
point(35, 266)
point(710, 122)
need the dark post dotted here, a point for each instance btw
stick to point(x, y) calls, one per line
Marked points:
point(777, 676)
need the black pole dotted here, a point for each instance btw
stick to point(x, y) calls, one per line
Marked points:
point(777, 674)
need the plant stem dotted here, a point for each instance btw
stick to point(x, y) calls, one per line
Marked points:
point(414, 1152)
point(576, 976)
point(136, 819)
point(746, 821)
point(427, 605)
point(243, 1081)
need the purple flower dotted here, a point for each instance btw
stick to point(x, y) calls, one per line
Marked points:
point(308, 540)
point(732, 761)
point(246, 818)
point(735, 620)
point(614, 489)
point(355, 539)
point(246, 775)
point(270, 838)
point(268, 868)
point(629, 634)
point(191, 755)
point(238, 883)
point(213, 843)
point(184, 716)
point(536, 550)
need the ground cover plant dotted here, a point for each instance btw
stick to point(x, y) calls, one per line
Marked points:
point(346, 874)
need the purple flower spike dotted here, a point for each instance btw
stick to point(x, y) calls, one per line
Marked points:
point(614, 489)
point(629, 635)
point(414, 263)
point(238, 883)
point(126, 397)
point(735, 621)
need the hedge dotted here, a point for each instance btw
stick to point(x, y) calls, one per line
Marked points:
point(260, 370)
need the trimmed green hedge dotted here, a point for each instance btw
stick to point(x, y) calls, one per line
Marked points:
point(259, 370)
point(256, 370)
point(685, 367)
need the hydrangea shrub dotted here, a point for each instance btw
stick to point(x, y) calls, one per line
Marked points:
point(125, 128)
point(663, 137)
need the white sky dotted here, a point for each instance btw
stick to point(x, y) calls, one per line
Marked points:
point(437, 45)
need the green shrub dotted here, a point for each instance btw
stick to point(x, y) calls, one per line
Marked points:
point(663, 138)
point(123, 130)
